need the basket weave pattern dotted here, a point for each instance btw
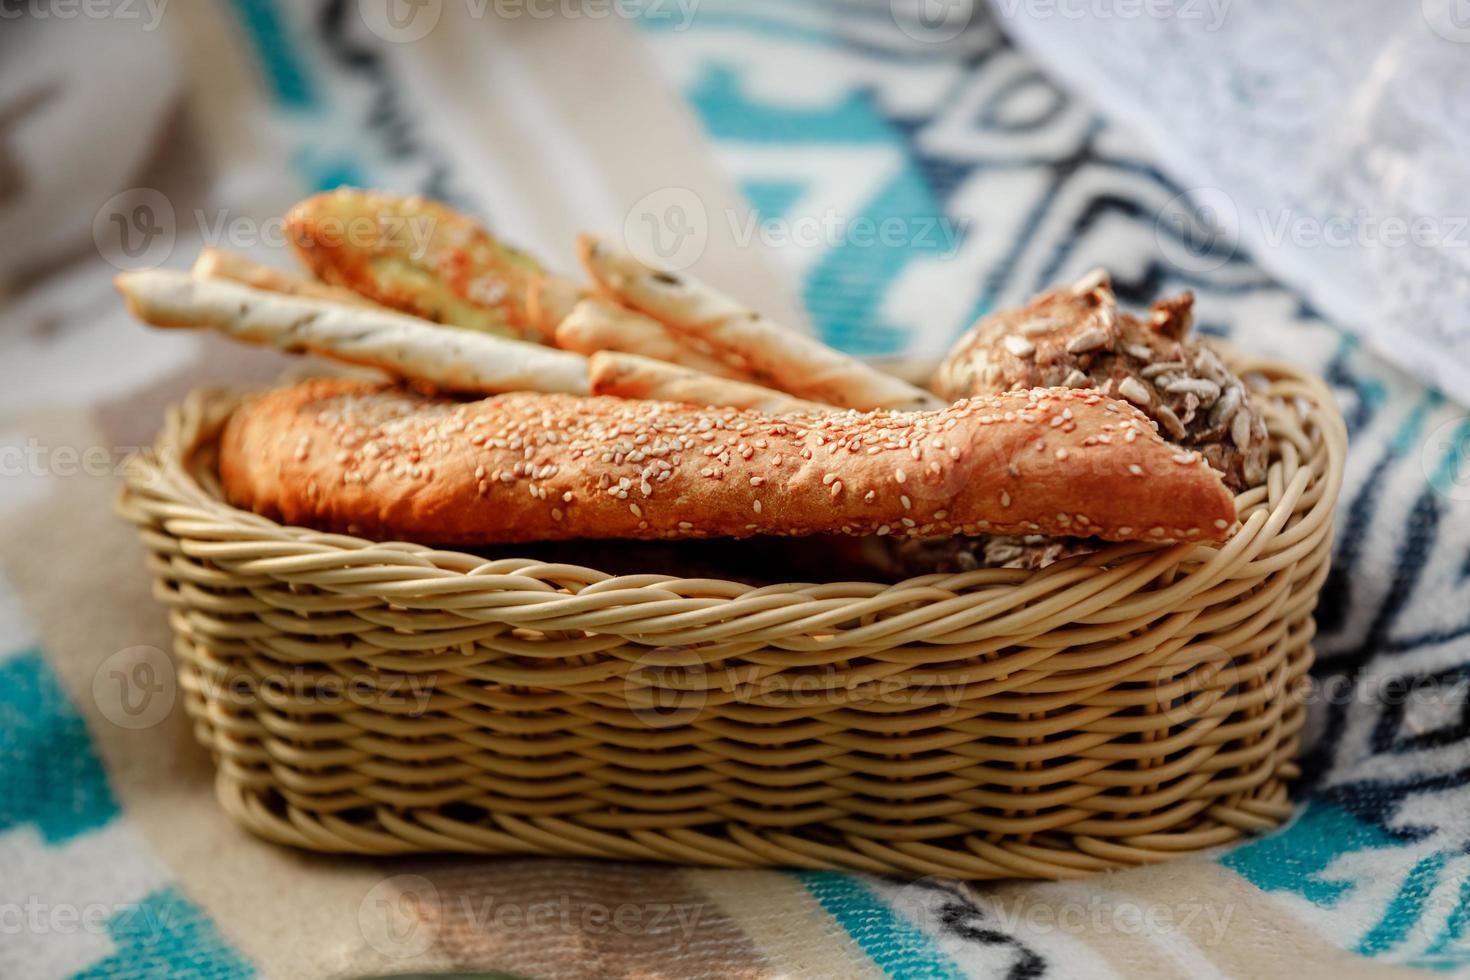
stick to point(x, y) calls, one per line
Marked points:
point(1109, 710)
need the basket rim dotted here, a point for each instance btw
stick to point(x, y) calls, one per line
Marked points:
point(163, 493)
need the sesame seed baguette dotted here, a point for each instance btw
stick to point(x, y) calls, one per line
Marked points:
point(597, 325)
point(793, 362)
point(632, 376)
point(385, 463)
point(214, 263)
point(455, 360)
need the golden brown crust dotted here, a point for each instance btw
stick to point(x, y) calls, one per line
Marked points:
point(764, 350)
point(417, 256)
point(381, 462)
point(595, 325)
point(215, 263)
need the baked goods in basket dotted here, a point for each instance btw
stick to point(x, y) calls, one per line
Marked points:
point(379, 461)
point(1077, 336)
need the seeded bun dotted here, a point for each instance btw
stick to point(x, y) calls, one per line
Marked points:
point(1076, 336)
point(385, 463)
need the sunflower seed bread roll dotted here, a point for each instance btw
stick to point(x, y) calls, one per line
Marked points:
point(455, 360)
point(1078, 337)
point(632, 376)
point(382, 462)
point(771, 353)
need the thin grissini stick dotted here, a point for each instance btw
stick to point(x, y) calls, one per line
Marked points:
point(549, 300)
point(597, 325)
point(455, 360)
point(631, 376)
point(416, 256)
point(788, 360)
point(385, 463)
point(214, 263)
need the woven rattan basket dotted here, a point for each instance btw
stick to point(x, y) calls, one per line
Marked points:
point(1109, 710)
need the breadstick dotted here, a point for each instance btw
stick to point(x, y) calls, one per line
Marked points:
point(386, 463)
point(417, 256)
point(214, 263)
point(795, 363)
point(632, 376)
point(549, 299)
point(455, 360)
point(597, 325)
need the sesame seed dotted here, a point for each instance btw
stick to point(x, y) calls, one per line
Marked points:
point(757, 506)
point(870, 496)
point(1061, 454)
point(1125, 530)
point(836, 488)
point(635, 509)
point(1220, 523)
point(756, 481)
point(940, 515)
point(900, 475)
point(1005, 499)
point(1135, 469)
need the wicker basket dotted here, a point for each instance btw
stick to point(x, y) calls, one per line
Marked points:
point(1109, 710)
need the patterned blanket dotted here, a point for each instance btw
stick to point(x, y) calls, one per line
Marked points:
point(873, 176)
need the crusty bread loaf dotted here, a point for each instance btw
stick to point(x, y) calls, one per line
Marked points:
point(382, 462)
